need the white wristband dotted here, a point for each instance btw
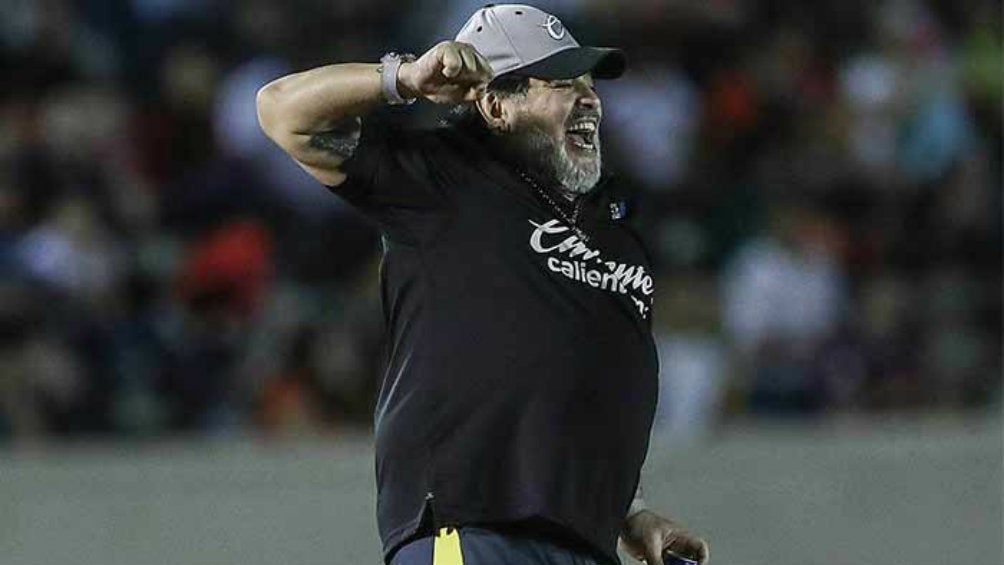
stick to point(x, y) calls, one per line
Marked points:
point(390, 64)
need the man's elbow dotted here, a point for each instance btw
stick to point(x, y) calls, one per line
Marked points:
point(268, 105)
point(265, 105)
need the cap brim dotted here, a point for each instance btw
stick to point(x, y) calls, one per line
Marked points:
point(601, 62)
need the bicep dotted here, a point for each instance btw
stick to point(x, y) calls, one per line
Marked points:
point(323, 153)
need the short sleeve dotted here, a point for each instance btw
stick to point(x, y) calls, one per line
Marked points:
point(392, 168)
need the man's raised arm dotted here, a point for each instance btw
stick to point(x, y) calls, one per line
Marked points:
point(315, 115)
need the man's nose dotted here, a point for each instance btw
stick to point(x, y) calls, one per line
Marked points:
point(588, 98)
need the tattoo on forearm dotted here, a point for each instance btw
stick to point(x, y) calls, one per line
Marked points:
point(341, 140)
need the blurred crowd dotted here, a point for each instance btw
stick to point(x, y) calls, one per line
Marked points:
point(820, 184)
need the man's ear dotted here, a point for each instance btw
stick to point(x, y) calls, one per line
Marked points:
point(493, 111)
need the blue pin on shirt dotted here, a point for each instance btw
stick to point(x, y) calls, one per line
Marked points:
point(618, 210)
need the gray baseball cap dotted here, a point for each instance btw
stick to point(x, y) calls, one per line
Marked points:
point(521, 39)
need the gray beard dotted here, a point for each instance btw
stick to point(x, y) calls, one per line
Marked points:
point(542, 155)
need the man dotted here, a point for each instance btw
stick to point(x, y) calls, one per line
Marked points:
point(515, 413)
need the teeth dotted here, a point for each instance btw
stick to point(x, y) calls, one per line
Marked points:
point(587, 129)
point(587, 126)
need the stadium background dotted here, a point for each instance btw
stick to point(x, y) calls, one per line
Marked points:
point(181, 307)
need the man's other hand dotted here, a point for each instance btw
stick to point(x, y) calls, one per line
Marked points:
point(646, 535)
point(449, 73)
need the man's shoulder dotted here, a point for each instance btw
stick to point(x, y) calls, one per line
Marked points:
point(426, 137)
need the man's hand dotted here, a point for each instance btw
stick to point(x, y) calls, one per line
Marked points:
point(449, 73)
point(646, 535)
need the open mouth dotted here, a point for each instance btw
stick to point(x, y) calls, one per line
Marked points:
point(582, 134)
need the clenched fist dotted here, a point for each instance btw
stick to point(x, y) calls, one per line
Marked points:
point(449, 73)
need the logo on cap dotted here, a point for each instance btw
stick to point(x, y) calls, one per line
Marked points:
point(554, 28)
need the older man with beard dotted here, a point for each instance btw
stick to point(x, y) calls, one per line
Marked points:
point(515, 411)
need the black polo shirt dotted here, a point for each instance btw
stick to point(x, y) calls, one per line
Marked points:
point(522, 377)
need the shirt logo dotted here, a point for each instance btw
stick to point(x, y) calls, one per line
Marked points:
point(554, 28)
point(569, 256)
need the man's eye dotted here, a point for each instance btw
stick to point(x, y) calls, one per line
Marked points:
point(561, 85)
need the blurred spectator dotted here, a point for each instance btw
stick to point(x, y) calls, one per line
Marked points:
point(654, 122)
point(289, 400)
point(694, 365)
point(783, 296)
point(69, 252)
point(222, 286)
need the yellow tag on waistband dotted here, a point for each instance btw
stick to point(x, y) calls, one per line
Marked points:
point(446, 550)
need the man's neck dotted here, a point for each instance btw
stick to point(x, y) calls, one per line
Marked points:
point(516, 157)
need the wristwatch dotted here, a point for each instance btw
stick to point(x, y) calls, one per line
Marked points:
point(389, 65)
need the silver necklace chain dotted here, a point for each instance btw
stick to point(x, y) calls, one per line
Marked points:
point(573, 220)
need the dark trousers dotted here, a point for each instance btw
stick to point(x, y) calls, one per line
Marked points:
point(478, 546)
